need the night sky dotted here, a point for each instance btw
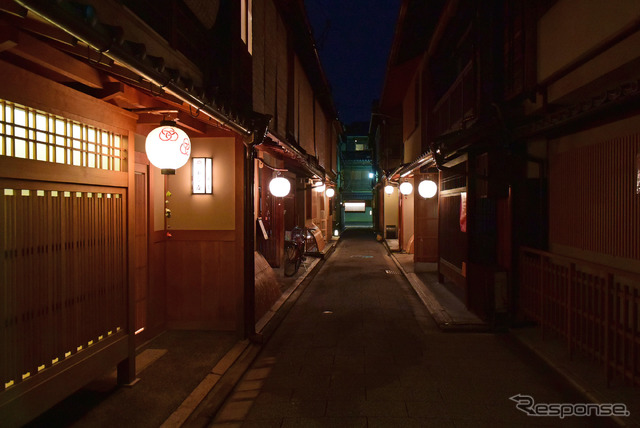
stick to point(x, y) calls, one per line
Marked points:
point(353, 39)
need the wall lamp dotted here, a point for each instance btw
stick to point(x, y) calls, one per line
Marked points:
point(202, 176)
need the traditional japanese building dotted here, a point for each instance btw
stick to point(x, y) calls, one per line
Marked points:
point(526, 113)
point(101, 250)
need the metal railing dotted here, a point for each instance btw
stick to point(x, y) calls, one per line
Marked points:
point(592, 307)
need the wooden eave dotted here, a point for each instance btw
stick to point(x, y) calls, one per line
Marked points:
point(106, 48)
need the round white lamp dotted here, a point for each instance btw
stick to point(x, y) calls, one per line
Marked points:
point(388, 189)
point(406, 188)
point(168, 147)
point(427, 189)
point(330, 192)
point(279, 187)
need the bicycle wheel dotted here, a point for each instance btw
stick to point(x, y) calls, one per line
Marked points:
point(291, 261)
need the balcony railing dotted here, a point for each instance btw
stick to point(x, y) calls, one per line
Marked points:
point(594, 308)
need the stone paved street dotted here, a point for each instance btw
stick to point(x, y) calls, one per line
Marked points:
point(360, 349)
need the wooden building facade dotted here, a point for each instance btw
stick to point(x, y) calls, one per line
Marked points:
point(529, 112)
point(100, 252)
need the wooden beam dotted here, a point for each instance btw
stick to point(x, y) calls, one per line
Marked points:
point(192, 123)
point(13, 8)
point(149, 119)
point(32, 170)
point(42, 54)
point(26, 88)
point(109, 90)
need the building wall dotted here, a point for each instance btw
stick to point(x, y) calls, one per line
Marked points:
point(322, 135)
point(203, 262)
point(411, 127)
point(303, 110)
point(594, 205)
point(572, 27)
point(270, 65)
point(407, 217)
point(391, 209)
point(426, 223)
point(592, 25)
point(205, 212)
point(333, 144)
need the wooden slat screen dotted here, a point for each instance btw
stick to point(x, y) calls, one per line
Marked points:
point(593, 204)
point(63, 281)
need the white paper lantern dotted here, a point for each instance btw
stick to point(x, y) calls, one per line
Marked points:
point(427, 189)
point(168, 147)
point(279, 187)
point(406, 188)
point(388, 189)
point(330, 192)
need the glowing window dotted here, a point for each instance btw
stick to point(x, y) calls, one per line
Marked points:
point(32, 134)
point(356, 207)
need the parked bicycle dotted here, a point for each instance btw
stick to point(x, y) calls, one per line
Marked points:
point(294, 250)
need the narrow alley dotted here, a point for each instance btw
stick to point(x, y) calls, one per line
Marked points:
point(358, 348)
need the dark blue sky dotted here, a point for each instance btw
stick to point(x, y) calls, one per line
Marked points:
point(353, 39)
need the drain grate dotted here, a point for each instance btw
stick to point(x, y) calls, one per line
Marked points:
point(391, 272)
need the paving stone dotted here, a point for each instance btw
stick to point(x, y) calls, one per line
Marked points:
point(291, 408)
point(358, 422)
point(395, 409)
point(387, 422)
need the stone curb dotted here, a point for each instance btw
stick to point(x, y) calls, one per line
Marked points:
point(439, 314)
